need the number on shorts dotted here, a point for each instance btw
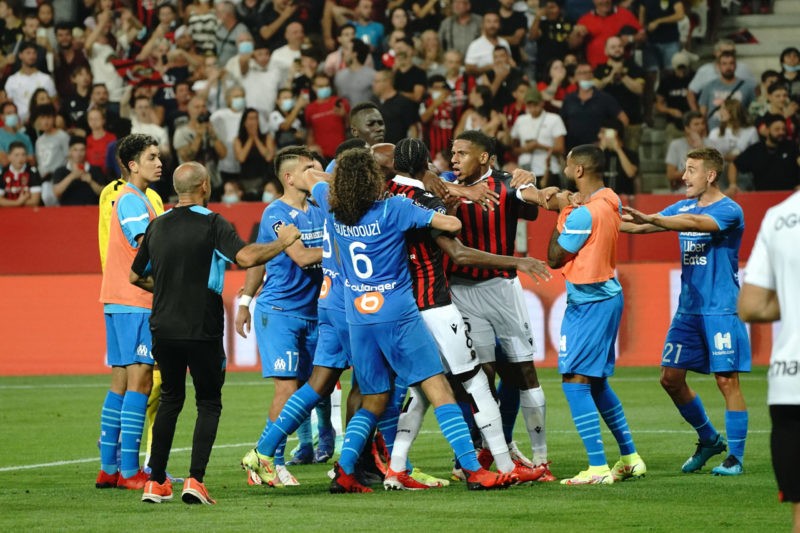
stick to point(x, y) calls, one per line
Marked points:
point(369, 303)
point(668, 349)
point(360, 259)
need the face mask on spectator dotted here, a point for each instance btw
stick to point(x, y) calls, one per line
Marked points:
point(436, 94)
point(230, 198)
point(237, 103)
point(267, 197)
point(11, 121)
point(323, 92)
point(586, 84)
point(246, 47)
point(287, 105)
point(790, 68)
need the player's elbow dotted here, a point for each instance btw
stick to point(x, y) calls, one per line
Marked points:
point(133, 277)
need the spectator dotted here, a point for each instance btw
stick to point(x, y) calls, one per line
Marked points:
point(409, 79)
point(335, 60)
point(251, 13)
point(621, 172)
point(355, 82)
point(98, 139)
point(20, 184)
point(326, 118)
point(623, 79)
point(694, 129)
point(272, 191)
point(198, 141)
point(733, 135)
point(76, 101)
point(21, 85)
point(427, 15)
point(790, 67)
point(773, 160)
point(502, 77)
point(725, 87)
point(399, 113)
point(594, 28)
point(276, 21)
point(143, 120)
point(255, 151)
point(30, 26)
point(11, 35)
point(100, 46)
point(367, 30)
point(212, 83)
point(398, 21)
point(710, 71)
point(671, 95)
point(780, 104)
point(457, 31)
point(250, 68)
point(78, 182)
point(284, 121)
point(761, 104)
point(225, 122)
point(283, 57)
point(52, 145)
point(68, 58)
point(176, 115)
point(232, 193)
point(551, 32)
point(555, 85)
point(538, 138)
point(480, 115)
point(12, 132)
point(513, 28)
point(228, 31)
point(98, 98)
point(458, 81)
point(480, 54)
point(430, 58)
point(202, 23)
point(660, 20)
point(517, 107)
point(587, 109)
point(303, 72)
point(437, 116)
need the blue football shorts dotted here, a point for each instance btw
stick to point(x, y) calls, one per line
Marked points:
point(588, 334)
point(286, 345)
point(405, 348)
point(128, 339)
point(333, 346)
point(707, 343)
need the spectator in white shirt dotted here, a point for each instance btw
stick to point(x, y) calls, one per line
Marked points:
point(539, 140)
point(21, 85)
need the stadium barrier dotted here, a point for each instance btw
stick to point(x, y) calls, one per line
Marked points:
point(53, 322)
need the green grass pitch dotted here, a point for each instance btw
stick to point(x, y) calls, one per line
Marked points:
point(48, 463)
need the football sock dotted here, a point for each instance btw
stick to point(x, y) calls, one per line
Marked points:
point(736, 428)
point(610, 409)
point(408, 425)
point(152, 408)
point(297, 408)
point(587, 421)
point(487, 417)
point(456, 432)
point(324, 414)
point(694, 413)
point(109, 432)
point(279, 458)
point(509, 407)
point(398, 396)
point(134, 405)
point(469, 419)
point(533, 412)
point(355, 437)
point(305, 434)
point(387, 425)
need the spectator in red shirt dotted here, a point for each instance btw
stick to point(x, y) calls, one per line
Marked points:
point(98, 139)
point(594, 28)
point(438, 117)
point(326, 118)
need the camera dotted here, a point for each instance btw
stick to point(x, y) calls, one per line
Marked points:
point(204, 117)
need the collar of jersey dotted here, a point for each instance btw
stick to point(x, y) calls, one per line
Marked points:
point(404, 180)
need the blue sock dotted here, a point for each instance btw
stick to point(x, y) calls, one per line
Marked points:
point(694, 413)
point(610, 409)
point(736, 428)
point(456, 432)
point(324, 414)
point(279, 458)
point(469, 419)
point(509, 407)
point(587, 421)
point(297, 408)
point(304, 433)
point(109, 432)
point(398, 396)
point(356, 435)
point(387, 425)
point(134, 405)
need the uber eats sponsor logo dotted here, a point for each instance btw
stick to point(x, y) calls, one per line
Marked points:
point(694, 253)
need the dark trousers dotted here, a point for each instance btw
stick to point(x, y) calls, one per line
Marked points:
point(206, 363)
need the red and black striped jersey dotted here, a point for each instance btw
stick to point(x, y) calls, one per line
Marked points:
point(424, 255)
point(490, 231)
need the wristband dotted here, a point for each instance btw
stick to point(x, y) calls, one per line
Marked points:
point(244, 300)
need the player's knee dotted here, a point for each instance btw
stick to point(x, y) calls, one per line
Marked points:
point(671, 384)
point(437, 390)
point(323, 381)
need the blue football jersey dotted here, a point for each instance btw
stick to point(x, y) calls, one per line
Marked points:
point(374, 261)
point(331, 295)
point(710, 261)
point(289, 288)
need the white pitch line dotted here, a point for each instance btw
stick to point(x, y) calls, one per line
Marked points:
point(17, 468)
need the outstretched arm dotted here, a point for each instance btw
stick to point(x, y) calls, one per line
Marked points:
point(466, 256)
point(684, 222)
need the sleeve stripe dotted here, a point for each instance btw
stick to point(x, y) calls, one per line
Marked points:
point(577, 231)
point(134, 219)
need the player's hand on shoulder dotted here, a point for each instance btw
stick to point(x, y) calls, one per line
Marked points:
point(434, 184)
point(482, 195)
point(287, 234)
point(521, 177)
point(535, 268)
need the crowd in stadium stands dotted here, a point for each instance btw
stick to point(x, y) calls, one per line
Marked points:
point(228, 83)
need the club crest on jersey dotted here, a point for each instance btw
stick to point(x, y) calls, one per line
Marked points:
point(276, 226)
point(293, 213)
point(280, 364)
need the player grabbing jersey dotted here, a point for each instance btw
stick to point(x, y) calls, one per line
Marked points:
point(706, 335)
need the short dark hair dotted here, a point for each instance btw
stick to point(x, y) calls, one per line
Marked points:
point(361, 49)
point(407, 40)
point(362, 106)
point(131, 147)
point(46, 110)
point(769, 74)
point(289, 153)
point(478, 138)
point(590, 157)
point(726, 53)
point(77, 139)
point(63, 25)
point(689, 116)
point(777, 86)
point(436, 78)
point(25, 45)
point(344, 27)
point(5, 104)
point(770, 118)
point(17, 144)
point(354, 142)
point(500, 48)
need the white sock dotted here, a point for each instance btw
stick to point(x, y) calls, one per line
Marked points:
point(488, 420)
point(408, 428)
point(533, 411)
